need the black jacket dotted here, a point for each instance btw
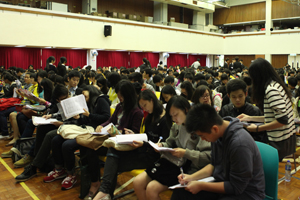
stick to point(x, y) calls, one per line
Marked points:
point(248, 109)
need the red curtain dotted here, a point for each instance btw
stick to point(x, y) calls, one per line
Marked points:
point(113, 59)
point(177, 59)
point(74, 57)
point(20, 57)
point(193, 58)
point(136, 58)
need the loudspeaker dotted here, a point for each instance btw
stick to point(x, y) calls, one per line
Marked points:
point(107, 30)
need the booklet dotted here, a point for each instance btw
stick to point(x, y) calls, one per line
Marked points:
point(156, 147)
point(42, 121)
point(208, 179)
point(73, 106)
point(105, 128)
point(129, 138)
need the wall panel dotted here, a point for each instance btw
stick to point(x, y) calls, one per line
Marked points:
point(279, 61)
point(243, 13)
point(281, 9)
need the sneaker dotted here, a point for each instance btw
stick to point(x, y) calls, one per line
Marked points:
point(2, 137)
point(23, 161)
point(7, 154)
point(28, 173)
point(54, 175)
point(68, 182)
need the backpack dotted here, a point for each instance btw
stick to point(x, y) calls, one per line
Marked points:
point(21, 147)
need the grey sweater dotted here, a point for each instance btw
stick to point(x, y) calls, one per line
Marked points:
point(198, 151)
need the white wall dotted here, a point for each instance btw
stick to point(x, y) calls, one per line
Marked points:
point(46, 30)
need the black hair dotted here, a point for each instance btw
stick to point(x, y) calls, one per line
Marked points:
point(101, 80)
point(74, 73)
point(154, 117)
point(113, 79)
point(247, 80)
point(199, 77)
point(42, 74)
point(157, 78)
point(202, 82)
point(189, 76)
point(236, 84)
point(138, 87)
point(224, 77)
point(49, 60)
point(147, 63)
point(125, 71)
point(262, 73)
point(127, 90)
point(9, 77)
point(34, 76)
point(202, 117)
point(181, 76)
point(292, 81)
point(177, 102)
point(168, 89)
point(59, 80)
point(227, 71)
point(199, 93)
point(189, 89)
point(149, 72)
point(62, 60)
point(207, 76)
point(136, 77)
point(20, 70)
point(93, 95)
point(169, 79)
point(48, 88)
point(59, 91)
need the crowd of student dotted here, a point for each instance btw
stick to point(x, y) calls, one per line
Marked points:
point(198, 114)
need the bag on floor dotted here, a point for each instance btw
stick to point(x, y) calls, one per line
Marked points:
point(21, 148)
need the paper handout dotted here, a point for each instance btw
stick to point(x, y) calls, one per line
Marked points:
point(156, 147)
point(208, 179)
point(73, 106)
point(42, 121)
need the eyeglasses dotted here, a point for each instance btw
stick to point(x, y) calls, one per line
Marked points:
point(205, 96)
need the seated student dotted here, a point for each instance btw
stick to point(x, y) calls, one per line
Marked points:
point(159, 82)
point(292, 82)
point(187, 90)
point(203, 95)
point(193, 151)
point(113, 79)
point(188, 76)
point(169, 80)
point(126, 116)
point(21, 75)
point(237, 92)
point(147, 75)
point(137, 77)
point(209, 80)
point(140, 158)
point(166, 94)
point(236, 163)
point(63, 149)
point(102, 84)
point(73, 81)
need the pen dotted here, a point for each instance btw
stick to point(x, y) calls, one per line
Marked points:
point(159, 139)
point(182, 174)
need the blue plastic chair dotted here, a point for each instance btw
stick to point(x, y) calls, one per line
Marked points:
point(269, 156)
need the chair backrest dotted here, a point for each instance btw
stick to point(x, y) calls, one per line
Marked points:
point(269, 156)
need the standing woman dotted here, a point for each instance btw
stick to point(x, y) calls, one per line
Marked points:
point(61, 67)
point(50, 64)
point(273, 97)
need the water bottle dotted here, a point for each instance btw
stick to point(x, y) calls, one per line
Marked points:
point(288, 168)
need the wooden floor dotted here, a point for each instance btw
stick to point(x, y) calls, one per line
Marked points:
point(37, 189)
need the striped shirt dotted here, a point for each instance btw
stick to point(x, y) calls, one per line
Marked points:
point(277, 105)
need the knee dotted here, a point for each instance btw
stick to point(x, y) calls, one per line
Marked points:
point(139, 182)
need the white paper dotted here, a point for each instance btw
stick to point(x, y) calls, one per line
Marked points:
point(129, 138)
point(42, 121)
point(156, 147)
point(74, 106)
point(105, 129)
point(208, 179)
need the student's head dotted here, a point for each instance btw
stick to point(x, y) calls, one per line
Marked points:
point(176, 110)
point(74, 78)
point(58, 80)
point(149, 103)
point(31, 66)
point(101, 82)
point(50, 59)
point(136, 77)
point(33, 78)
point(60, 93)
point(47, 86)
point(8, 78)
point(167, 93)
point(170, 72)
point(203, 95)
point(292, 82)
point(224, 79)
point(247, 80)
point(208, 78)
point(158, 80)
point(188, 77)
point(199, 77)
point(187, 90)
point(27, 78)
point(292, 73)
point(40, 75)
point(20, 71)
point(169, 80)
point(237, 92)
point(63, 60)
point(147, 73)
point(127, 95)
point(113, 79)
point(204, 121)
